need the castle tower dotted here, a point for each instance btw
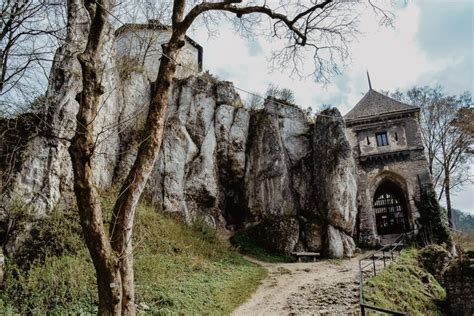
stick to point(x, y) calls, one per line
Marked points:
point(139, 49)
point(391, 166)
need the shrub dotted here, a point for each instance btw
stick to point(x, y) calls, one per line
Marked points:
point(434, 259)
point(432, 221)
point(57, 234)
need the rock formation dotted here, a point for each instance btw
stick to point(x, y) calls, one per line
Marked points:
point(293, 182)
point(336, 186)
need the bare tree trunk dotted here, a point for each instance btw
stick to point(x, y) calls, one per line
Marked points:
point(447, 193)
point(105, 263)
point(121, 226)
point(81, 151)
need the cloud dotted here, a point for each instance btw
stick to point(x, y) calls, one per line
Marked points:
point(445, 34)
point(431, 44)
point(446, 28)
point(391, 55)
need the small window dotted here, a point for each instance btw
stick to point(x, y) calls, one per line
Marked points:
point(382, 139)
point(368, 141)
point(396, 136)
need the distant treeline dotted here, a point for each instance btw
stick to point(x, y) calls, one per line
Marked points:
point(463, 221)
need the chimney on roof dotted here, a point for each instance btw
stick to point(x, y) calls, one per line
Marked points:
point(368, 79)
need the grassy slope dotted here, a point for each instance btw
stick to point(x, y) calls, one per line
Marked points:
point(405, 286)
point(177, 270)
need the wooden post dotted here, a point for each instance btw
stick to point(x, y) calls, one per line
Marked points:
point(2, 263)
point(373, 261)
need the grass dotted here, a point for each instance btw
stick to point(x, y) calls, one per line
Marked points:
point(247, 245)
point(405, 286)
point(178, 270)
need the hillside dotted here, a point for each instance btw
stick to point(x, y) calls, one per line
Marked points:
point(177, 269)
point(406, 286)
point(463, 221)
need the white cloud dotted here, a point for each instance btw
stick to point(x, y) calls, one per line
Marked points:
point(393, 56)
point(390, 54)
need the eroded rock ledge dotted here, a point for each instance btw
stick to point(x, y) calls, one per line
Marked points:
point(291, 181)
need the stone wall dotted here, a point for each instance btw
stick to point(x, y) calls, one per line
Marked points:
point(459, 283)
point(403, 134)
point(407, 174)
point(141, 49)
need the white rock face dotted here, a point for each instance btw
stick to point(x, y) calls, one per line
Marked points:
point(334, 171)
point(204, 143)
point(269, 169)
point(131, 120)
point(335, 243)
point(46, 171)
point(280, 139)
point(339, 244)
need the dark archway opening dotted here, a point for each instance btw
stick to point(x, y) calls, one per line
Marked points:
point(234, 209)
point(390, 206)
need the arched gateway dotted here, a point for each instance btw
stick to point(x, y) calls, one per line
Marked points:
point(391, 210)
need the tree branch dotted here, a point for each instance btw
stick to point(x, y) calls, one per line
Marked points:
point(230, 6)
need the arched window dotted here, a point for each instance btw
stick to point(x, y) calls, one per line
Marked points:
point(390, 209)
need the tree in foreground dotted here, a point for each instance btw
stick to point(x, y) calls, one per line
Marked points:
point(316, 29)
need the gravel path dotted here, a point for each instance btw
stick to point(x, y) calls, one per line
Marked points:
point(326, 287)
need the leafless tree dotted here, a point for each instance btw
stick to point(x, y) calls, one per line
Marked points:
point(318, 28)
point(447, 132)
point(30, 33)
point(284, 94)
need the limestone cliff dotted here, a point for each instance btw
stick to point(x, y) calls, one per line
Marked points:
point(292, 181)
point(336, 188)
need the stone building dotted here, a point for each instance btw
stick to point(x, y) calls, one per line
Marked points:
point(391, 166)
point(139, 45)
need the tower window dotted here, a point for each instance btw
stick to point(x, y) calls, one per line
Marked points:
point(368, 141)
point(382, 139)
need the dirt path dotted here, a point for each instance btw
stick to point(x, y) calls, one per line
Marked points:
point(327, 287)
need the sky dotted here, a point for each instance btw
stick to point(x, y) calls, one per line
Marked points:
point(431, 43)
